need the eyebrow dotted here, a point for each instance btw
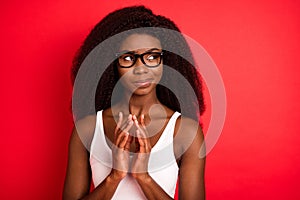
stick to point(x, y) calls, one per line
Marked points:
point(127, 51)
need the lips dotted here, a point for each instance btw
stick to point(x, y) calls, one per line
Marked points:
point(143, 83)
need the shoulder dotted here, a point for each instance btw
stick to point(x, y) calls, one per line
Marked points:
point(188, 137)
point(187, 126)
point(87, 123)
point(84, 129)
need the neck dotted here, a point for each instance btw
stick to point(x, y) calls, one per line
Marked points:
point(141, 104)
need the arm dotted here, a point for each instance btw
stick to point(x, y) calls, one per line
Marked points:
point(191, 172)
point(78, 177)
point(151, 189)
point(77, 181)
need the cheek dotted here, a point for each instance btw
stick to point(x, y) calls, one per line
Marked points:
point(124, 76)
point(122, 72)
point(158, 73)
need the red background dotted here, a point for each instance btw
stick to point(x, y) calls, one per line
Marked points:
point(255, 45)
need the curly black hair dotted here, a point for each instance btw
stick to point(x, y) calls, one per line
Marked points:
point(133, 18)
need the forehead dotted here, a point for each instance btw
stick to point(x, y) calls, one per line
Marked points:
point(139, 41)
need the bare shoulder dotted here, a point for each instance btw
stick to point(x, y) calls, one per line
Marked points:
point(188, 137)
point(187, 126)
point(84, 130)
point(87, 124)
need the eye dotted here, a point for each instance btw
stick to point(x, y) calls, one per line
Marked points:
point(127, 58)
point(153, 57)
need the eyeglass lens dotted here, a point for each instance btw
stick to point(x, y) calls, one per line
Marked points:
point(150, 59)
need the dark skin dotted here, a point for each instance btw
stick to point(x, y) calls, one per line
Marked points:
point(135, 131)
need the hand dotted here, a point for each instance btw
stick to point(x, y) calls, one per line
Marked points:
point(121, 147)
point(139, 169)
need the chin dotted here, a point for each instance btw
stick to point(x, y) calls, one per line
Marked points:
point(143, 91)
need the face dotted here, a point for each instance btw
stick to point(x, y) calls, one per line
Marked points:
point(139, 78)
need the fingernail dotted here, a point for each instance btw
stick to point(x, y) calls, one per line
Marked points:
point(120, 114)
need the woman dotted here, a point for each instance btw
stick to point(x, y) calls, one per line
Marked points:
point(141, 138)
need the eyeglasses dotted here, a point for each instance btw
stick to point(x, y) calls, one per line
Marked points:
point(150, 59)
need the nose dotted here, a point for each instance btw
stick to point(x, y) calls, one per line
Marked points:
point(139, 67)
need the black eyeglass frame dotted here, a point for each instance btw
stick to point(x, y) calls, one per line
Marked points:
point(141, 56)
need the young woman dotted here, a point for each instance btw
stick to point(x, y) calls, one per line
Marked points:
point(141, 138)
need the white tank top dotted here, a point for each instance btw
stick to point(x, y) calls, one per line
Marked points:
point(162, 165)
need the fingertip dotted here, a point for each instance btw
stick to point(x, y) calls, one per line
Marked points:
point(138, 134)
point(143, 120)
point(129, 137)
point(120, 117)
point(136, 122)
